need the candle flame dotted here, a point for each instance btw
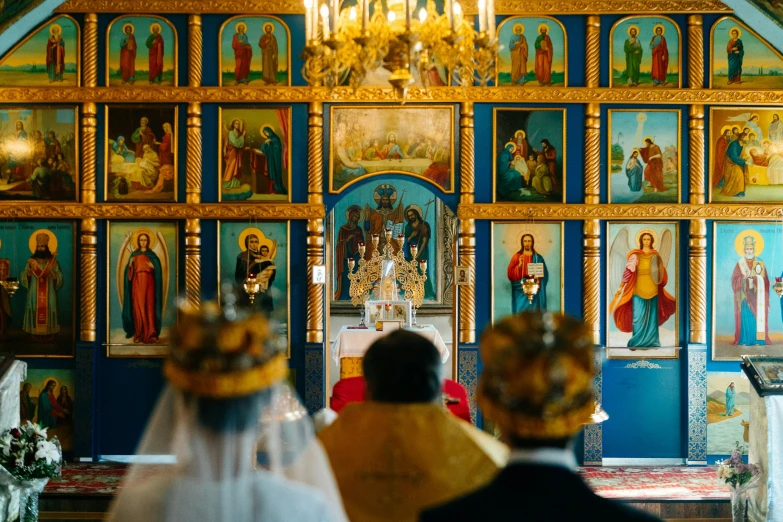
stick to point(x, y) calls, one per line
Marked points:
point(457, 8)
point(352, 13)
point(308, 4)
point(391, 17)
point(422, 15)
point(324, 11)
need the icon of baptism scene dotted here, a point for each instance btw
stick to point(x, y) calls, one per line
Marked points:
point(645, 156)
point(747, 276)
point(141, 52)
point(529, 154)
point(254, 51)
point(255, 154)
point(142, 287)
point(403, 207)
point(645, 52)
point(49, 57)
point(527, 268)
point(746, 154)
point(742, 60)
point(253, 260)
point(38, 151)
point(366, 141)
point(533, 53)
point(728, 411)
point(141, 153)
point(642, 292)
point(47, 399)
point(37, 290)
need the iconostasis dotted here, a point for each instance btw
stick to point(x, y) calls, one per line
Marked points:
point(151, 153)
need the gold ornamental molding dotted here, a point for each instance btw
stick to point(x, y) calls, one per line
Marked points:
point(227, 95)
point(527, 7)
point(161, 211)
point(576, 211)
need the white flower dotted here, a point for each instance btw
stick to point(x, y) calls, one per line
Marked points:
point(5, 444)
point(47, 451)
point(37, 430)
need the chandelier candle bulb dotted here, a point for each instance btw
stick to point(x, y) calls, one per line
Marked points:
point(482, 15)
point(491, 19)
point(308, 20)
point(407, 14)
point(352, 14)
point(422, 15)
point(450, 13)
point(335, 17)
point(325, 20)
point(365, 15)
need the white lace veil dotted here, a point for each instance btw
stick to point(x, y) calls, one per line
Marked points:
point(248, 458)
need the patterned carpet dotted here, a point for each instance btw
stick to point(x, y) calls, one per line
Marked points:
point(665, 484)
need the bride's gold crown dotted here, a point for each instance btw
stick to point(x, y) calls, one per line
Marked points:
point(223, 353)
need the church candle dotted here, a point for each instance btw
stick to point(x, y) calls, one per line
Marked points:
point(308, 20)
point(491, 19)
point(482, 15)
point(325, 20)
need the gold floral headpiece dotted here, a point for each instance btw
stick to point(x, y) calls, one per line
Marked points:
point(215, 353)
point(538, 375)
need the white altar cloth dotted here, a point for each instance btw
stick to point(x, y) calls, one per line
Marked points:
point(355, 342)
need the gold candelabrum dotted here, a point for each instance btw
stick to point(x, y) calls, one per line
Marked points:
point(252, 287)
point(530, 287)
point(11, 285)
point(410, 275)
point(343, 45)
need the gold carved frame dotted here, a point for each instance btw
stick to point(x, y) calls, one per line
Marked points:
point(237, 17)
point(565, 50)
point(628, 19)
point(745, 28)
point(108, 49)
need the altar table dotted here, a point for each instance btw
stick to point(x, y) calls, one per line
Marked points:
point(354, 342)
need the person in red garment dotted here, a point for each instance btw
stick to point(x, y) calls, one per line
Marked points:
point(660, 57)
point(653, 172)
point(243, 54)
point(128, 50)
point(537, 386)
point(142, 302)
point(155, 45)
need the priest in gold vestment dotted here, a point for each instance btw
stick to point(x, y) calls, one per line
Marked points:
point(402, 450)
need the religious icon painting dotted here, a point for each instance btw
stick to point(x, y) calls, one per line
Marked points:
point(255, 50)
point(645, 53)
point(37, 319)
point(747, 312)
point(48, 57)
point(255, 154)
point(141, 153)
point(741, 59)
point(38, 153)
point(47, 399)
point(529, 154)
point(746, 155)
point(257, 254)
point(527, 268)
point(142, 274)
point(534, 52)
point(369, 141)
point(642, 294)
point(728, 411)
point(410, 210)
point(141, 51)
point(645, 156)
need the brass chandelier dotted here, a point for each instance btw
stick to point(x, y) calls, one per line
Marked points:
point(345, 44)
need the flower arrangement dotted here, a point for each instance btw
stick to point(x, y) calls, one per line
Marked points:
point(27, 455)
point(735, 472)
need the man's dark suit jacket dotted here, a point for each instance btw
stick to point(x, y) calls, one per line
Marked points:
point(534, 493)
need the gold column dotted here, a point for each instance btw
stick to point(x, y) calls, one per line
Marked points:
point(593, 52)
point(193, 262)
point(88, 253)
point(193, 157)
point(195, 51)
point(695, 52)
point(90, 53)
point(466, 243)
point(89, 164)
point(315, 227)
point(591, 270)
point(697, 263)
point(696, 153)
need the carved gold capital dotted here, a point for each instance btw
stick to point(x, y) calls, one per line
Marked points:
point(591, 250)
point(315, 153)
point(195, 51)
point(315, 293)
point(593, 52)
point(505, 94)
point(697, 263)
point(90, 52)
point(89, 160)
point(467, 152)
point(696, 52)
point(696, 154)
point(592, 153)
point(88, 254)
point(193, 262)
point(193, 161)
point(466, 251)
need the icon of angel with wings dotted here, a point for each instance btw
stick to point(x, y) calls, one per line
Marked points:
point(638, 272)
point(143, 284)
point(233, 148)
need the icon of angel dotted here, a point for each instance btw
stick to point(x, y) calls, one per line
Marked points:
point(143, 284)
point(641, 303)
point(233, 148)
